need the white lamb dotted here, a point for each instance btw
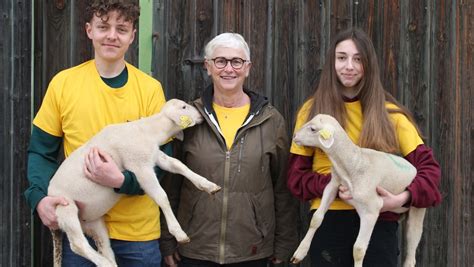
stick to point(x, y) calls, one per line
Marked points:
point(361, 170)
point(134, 146)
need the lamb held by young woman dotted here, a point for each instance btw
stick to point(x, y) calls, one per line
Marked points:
point(361, 171)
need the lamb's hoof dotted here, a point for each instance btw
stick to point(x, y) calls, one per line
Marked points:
point(294, 260)
point(107, 263)
point(209, 187)
point(215, 190)
point(184, 241)
point(299, 255)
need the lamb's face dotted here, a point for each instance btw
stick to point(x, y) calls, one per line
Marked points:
point(182, 113)
point(318, 132)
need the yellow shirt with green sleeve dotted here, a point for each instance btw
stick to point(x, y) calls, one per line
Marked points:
point(407, 134)
point(78, 104)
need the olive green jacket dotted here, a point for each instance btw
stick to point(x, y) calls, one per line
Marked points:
point(254, 215)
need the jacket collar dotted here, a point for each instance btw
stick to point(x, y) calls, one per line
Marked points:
point(257, 101)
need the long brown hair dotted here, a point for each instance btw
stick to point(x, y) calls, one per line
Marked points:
point(378, 131)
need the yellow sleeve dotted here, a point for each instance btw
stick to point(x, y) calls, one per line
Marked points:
point(157, 100)
point(408, 136)
point(48, 117)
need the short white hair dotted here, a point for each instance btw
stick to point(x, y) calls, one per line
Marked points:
point(229, 40)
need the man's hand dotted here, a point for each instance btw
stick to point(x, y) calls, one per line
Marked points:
point(172, 260)
point(46, 209)
point(101, 168)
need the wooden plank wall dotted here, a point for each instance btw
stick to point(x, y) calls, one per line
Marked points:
point(425, 51)
point(15, 96)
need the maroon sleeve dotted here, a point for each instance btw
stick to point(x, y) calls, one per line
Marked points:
point(303, 182)
point(425, 187)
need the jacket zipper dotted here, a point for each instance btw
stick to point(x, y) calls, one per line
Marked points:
point(225, 200)
point(240, 153)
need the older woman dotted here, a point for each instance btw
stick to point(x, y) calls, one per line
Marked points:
point(243, 147)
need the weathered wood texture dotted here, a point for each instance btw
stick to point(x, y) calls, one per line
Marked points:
point(425, 51)
point(15, 218)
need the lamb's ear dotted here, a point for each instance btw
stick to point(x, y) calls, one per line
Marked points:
point(326, 138)
point(179, 136)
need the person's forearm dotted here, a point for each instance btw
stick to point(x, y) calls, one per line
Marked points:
point(303, 182)
point(42, 164)
point(425, 187)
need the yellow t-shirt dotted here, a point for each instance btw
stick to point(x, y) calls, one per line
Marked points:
point(230, 120)
point(78, 104)
point(408, 139)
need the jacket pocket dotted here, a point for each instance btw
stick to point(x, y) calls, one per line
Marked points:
point(260, 216)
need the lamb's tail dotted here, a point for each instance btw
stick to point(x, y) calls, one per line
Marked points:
point(57, 245)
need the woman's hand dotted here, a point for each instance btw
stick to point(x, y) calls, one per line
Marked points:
point(344, 193)
point(392, 202)
point(101, 168)
point(172, 260)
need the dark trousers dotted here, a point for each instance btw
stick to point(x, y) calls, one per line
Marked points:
point(127, 253)
point(333, 242)
point(187, 262)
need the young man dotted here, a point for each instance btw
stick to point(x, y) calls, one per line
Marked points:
point(79, 102)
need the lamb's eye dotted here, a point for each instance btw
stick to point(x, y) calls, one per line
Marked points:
point(312, 129)
point(184, 107)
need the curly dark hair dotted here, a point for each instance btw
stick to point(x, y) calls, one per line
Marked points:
point(128, 9)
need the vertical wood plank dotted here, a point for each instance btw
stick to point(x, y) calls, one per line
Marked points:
point(6, 21)
point(254, 29)
point(414, 86)
point(15, 47)
point(57, 27)
point(340, 17)
point(440, 124)
point(54, 47)
point(81, 49)
point(201, 28)
point(464, 135)
point(283, 57)
point(174, 28)
point(387, 38)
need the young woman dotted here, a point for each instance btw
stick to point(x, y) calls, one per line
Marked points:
point(351, 91)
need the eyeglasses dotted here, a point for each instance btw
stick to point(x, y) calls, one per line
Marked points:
point(236, 62)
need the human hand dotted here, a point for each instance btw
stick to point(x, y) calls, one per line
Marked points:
point(46, 209)
point(392, 202)
point(344, 193)
point(101, 168)
point(172, 260)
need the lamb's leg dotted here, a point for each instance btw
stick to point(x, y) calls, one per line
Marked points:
point(147, 179)
point(414, 229)
point(68, 221)
point(173, 165)
point(368, 213)
point(329, 194)
point(98, 231)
